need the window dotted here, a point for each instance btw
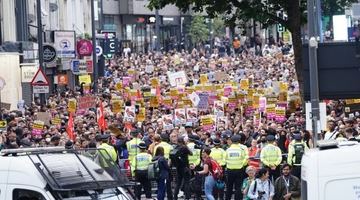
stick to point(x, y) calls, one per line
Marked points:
point(22, 194)
point(109, 19)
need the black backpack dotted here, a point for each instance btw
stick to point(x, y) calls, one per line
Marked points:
point(299, 150)
point(174, 156)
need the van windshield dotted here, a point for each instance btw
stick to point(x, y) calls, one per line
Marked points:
point(80, 170)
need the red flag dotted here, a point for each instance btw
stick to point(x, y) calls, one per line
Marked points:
point(139, 94)
point(70, 127)
point(101, 118)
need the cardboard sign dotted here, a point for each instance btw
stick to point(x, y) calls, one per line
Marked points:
point(174, 93)
point(194, 98)
point(44, 117)
point(191, 114)
point(221, 122)
point(204, 101)
point(270, 111)
point(167, 102)
point(87, 102)
point(72, 105)
point(220, 76)
point(232, 102)
point(177, 78)
point(180, 116)
point(116, 106)
point(62, 79)
point(129, 114)
point(187, 102)
point(168, 122)
point(283, 87)
point(37, 128)
point(219, 108)
point(85, 79)
point(227, 91)
point(140, 117)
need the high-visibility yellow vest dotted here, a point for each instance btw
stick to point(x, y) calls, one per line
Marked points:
point(271, 155)
point(237, 156)
point(219, 155)
point(141, 161)
point(132, 147)
point(194, 159)
point(167, 148)
point(291, 152)
point(108, 155)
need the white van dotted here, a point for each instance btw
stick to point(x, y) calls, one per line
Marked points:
point(331, 172)
point(56, 173)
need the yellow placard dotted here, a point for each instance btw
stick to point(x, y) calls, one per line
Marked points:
point(118, 86)
point(283, 97)
point(174, 92)
point(167, 102)
point(116, 106)
point(206, 120)
point(85, 79)
point(187, 102)
point(56, 121)
point(131, 71)
point(256, 100)
point(189, 90)
point(280, 111)
point(198, 87)
point(72, 105)
point(154, 102)
point(154, 82)
point(283, 87)
point(140, 117)
point(203, 78)
point(270, 109)
point(244, 84)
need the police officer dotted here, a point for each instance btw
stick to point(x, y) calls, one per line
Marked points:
point(139, 165)
point(236, 159)
point(167, 148)
point(132, 145)
point(108, 155)
point(271, 157)
point(297, 148)
point(194, 159)
point(218, 154)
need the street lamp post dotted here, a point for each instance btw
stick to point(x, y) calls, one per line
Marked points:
point(40, 45)
point(95, 72)
point(314, 82)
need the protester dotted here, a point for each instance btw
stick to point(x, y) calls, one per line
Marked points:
point(287, 186)
point(250, 171)
point(164, 172)
point(209, 183)
point(261, 188)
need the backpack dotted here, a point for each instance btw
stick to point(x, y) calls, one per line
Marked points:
point(299, 150)
point(153, 170)
point(216, 170)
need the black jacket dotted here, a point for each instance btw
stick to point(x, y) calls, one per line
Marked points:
point(164, 166)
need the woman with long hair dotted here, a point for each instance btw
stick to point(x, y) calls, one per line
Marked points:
point(164, 172)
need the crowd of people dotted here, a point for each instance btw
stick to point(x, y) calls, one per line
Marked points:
point(187, 110)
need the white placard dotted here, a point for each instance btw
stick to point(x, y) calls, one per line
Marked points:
point(177, 78)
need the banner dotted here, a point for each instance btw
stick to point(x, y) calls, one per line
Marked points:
point(129, 115)
point(87, 102)
point(180, 116)
point(177, 78)
point(194, 98)
point(280, 114)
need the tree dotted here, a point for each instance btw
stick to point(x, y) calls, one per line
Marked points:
point(219, 27)
point(263, 11)
point(198, 30)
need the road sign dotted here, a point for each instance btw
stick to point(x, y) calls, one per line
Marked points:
point(40, 89)
point(99, 50)
point(111, 46)
point(280, 28)
point(49, 53)
point(40, 79)
point(2, 83)
point(3, 124)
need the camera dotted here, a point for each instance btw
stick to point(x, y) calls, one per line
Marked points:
point(261, 194)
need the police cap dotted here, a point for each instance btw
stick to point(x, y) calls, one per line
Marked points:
point(216, 141)
point(270, 138)
point(236, 138)
point(142, 145)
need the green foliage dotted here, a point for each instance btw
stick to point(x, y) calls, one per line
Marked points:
point(218, 27)
point(198, 31)
point(335, 7)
